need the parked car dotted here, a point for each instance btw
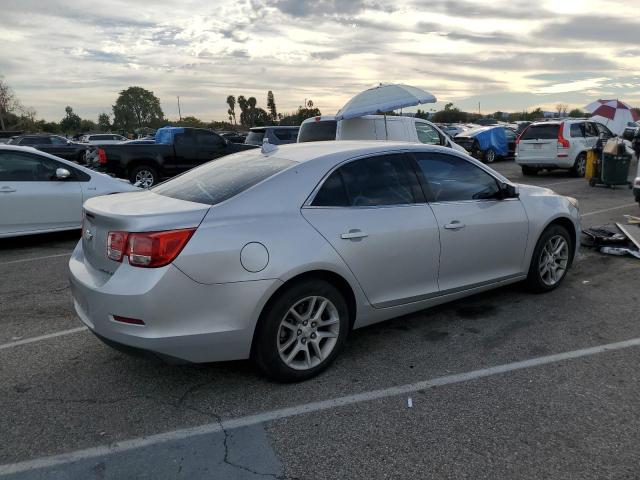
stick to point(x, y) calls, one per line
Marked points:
point(235, 137)
point(43, 193)
point(559, 145)
point(452, 129)
point(275, 135)
point(277, 254)
point(175, 150)
point(374, 127)
point(53, 144)
point(489, 143)
point(102, 139)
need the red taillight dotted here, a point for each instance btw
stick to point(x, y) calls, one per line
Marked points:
point(562, 142)
point(130, 321)
point(147, 249)
point(102, 156)
point(116, 245)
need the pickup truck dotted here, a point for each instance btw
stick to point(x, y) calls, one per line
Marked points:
point(175, 150)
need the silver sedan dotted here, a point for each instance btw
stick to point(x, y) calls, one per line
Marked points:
point(276, 255)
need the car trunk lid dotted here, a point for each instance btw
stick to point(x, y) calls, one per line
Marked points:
point(132, 212)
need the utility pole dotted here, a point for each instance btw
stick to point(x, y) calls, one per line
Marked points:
point(479, 112)
point(179, 114)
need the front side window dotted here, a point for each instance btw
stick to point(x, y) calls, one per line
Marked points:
point(35, 141)
point(209, 139)
point(510, 134)
point(373, 181)
point(604, 132)
point(427, 134)
point(454, 179)
point(590, 130)
point(219, 180)
point(22, 167)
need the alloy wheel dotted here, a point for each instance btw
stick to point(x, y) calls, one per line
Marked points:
point(144, 178)
point(308, 333)
point(490, 156)
point(554, 259)
point(581, 166)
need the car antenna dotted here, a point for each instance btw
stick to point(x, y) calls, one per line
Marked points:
point(268, 147)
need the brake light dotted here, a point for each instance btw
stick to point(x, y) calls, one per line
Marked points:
point(102, 156)
point(562, 142)
point(147, 249)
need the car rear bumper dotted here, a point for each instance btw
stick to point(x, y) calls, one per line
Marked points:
point(184, 320)
point(555, 162)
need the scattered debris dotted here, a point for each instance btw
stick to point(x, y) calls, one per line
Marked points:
point(620, 251)
point(618, 240)
point(409, 402)
point(584, 282)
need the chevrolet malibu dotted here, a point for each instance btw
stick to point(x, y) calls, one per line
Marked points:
point(276, 255)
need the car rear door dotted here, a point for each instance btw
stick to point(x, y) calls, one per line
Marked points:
point(539, 143)
point(372, 211)
point(511, 141)
point(210, 146)
point(483, 237)
point(32, 198)
point(186, 153)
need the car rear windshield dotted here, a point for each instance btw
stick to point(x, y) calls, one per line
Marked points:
point(255, 136)
point(221, 179)
point(541, 132)
point(318, 131)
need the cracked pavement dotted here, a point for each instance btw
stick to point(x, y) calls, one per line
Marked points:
point(573, 419)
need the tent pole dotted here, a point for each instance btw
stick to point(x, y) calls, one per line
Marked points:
point(386, 131)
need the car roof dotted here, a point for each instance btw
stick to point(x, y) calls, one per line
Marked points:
point(274, 127)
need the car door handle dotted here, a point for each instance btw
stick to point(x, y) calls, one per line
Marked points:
point(7, 190)
point(353, 234)
point(454, 225)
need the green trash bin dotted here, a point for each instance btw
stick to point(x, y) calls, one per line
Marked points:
point(615, 169)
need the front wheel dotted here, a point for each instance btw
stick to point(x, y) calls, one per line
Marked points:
point(143, 176)
point(551, 259)
point(301, 332)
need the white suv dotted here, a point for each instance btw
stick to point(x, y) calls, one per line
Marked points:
point(103, 139)
point(558, 145)
point(375, 127)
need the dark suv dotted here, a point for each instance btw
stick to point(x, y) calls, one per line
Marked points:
point(53, 144)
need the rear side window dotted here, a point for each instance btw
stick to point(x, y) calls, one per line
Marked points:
point(577, 130)
point(318, 131)
point(255, 136)
point(541, 132)
point(373, 181)
point(590, 129)
point(221, 179)
point(453, 179)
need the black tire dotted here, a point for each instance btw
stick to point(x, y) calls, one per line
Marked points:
point(592, 182)
point(580, 166)
point(144, 171)
point(529, 170)
point(535, 281)
point(490, 156)
point(265, 346)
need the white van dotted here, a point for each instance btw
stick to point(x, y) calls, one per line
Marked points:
point(374, 127)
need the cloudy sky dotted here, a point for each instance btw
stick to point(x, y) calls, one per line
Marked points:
point(506, 54)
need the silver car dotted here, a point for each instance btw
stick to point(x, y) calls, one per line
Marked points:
point(277, 254)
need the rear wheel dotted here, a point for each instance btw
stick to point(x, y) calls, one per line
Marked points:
point(551, 259)
point(143, 176)
point(529, 170)
point(301, 332)
point(490, 156)
point(580, 166)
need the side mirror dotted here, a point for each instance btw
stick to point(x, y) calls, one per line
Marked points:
point(509, 191)
point(62, 173)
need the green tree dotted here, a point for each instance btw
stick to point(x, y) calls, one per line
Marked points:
point(88, 126)
point(271, 105)
point(104, 124)
point(450, 114)
point(71, 122)
point(137, 108)
point(577, 113)
point(296, 118)
point(8, 103)
point(191, 122)
point(231, 101)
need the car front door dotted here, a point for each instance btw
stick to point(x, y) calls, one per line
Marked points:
point(31, 196)
point(372, 211)
point(591, 134)
point(187, 153)
point(483, 235)
point(210, 145)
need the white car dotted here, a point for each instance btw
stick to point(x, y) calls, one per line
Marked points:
point(40, 192)
point(103, 139)
point(558, 145)
point(375, 127)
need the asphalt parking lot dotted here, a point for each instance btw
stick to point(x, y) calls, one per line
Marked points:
point(504, 384)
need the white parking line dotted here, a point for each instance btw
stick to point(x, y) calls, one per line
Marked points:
point(609, 209)
point(36, 258)
point(560, 183)
point(249, 420)
point(26, 341)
